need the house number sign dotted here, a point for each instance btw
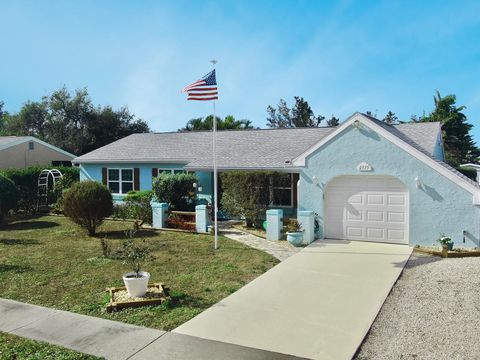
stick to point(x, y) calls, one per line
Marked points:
point(363, 167)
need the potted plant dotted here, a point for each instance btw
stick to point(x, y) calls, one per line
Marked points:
point(446, 242)
point(294, 233)
point(134, 254)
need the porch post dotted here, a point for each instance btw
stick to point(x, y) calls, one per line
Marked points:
point(307, 219)
point(201, 218)
point(159, 214)
point(274, 224)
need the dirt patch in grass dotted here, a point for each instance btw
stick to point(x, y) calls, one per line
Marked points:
point(15, 347)
point(59, 266)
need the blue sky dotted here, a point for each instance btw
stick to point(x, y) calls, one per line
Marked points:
point(341, 56)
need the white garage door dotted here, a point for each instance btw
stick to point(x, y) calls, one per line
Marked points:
point(368, 208)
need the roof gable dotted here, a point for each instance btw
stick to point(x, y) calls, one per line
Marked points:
point(9, 141)
point(399, 138)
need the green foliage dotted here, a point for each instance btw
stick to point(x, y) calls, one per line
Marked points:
point(470, 173)
point(135, 253)
point(247, 194)
point(8, 196)
point(444, 239)
point(301, 115)
point(229, 123)
point(458, 143)
point(293, 226)
point(176, 190)
point(71, 122)
point(390, 118)
point(87, 203)
point(137, 206)
point(26, 181)
point(333, 121)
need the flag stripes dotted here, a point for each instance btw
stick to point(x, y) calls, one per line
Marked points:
point(204, 89)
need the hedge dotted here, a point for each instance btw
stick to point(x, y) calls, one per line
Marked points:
point(26, 181)
point(8, 196)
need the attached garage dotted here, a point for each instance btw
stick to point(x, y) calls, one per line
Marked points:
point(367, 208)
point(372, 181)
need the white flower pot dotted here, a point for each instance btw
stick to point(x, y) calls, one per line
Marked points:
point(136, 287)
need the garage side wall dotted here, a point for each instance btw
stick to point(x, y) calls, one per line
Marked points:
point(441, 206)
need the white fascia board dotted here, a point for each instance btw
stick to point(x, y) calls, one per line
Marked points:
point(25, 139)
point(233, 168)
point(50, 146)
point(300, 160)
point(126, 161)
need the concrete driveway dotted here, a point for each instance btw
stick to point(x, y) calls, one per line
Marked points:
point(318, 304)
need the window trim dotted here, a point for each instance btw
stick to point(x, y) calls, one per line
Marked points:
point(120, 181)
point(172, 170)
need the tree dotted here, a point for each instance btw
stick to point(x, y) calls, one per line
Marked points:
point(246, 194)
point(87, 203)
point(206, 123)
point(333, 121)
point(71, 122)
point(458, 143)
point(390, 118)
point(300, 116)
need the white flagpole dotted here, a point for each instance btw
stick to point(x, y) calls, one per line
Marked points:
point(215, 182)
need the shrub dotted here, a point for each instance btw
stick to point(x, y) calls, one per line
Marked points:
point(26, 181)
point(8, 196)
point(137, 206)
point(247, 194)
point(87, 203)
point(293, 226)
point(176, 190)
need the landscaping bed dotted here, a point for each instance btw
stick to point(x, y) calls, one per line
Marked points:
point(15, 347)
point(50, 261)
point(432, 312)
point(455, 253)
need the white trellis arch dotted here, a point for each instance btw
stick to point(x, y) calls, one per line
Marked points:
point(47, 180)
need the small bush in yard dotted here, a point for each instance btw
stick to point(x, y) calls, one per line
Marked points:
point(87, 203)
point(176, 190)
point(8, 196)
point(138, 206)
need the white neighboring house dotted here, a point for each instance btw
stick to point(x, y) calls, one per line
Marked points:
point(23, 151)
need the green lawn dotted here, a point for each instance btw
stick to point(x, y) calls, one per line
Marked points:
point(17, 348)
point(50, 261)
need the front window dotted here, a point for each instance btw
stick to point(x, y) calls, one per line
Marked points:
point(120, 181)
point(282, 190)
point(171, 171)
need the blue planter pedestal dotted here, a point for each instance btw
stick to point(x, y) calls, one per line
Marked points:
point(295, 238)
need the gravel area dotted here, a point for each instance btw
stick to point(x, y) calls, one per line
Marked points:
point(433, 312)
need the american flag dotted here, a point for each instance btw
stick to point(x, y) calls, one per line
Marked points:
point(203, 89)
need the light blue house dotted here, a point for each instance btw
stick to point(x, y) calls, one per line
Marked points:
point(365, 179)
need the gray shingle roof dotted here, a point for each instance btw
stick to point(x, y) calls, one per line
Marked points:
point(4, 140)
point(244, 149)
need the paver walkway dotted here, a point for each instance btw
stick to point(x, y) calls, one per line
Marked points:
point(317, 304)
point(115, 340)
point(279, 249)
